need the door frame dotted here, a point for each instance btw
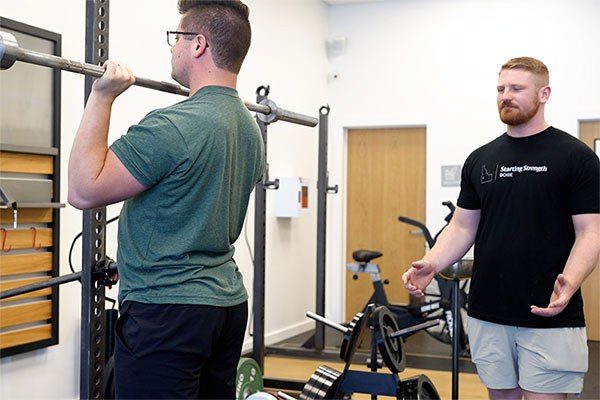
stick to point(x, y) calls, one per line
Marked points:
point(592, 332)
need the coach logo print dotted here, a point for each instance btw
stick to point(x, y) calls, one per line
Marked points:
point(486, 176)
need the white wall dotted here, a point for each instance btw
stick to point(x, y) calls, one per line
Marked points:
point(287, 53)
point(435, 63)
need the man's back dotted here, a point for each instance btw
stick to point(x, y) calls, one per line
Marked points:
point(200, 159)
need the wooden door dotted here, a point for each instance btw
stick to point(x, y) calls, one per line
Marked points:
point(588, 132)
point(386, 179)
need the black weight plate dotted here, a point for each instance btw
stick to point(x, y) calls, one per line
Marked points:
point(349, 336)
point(355, 336)
point(419, 388)
point(391, 349)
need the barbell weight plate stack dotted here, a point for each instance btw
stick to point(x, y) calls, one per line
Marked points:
point(309, 391)
point(419, 388)
point(322, 384)
point(249, 378)
point(391, 349)
point(319, 383)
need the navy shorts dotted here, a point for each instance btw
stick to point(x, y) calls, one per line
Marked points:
point(178, 351)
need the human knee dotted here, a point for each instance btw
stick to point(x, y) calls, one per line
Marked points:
point(505, 394)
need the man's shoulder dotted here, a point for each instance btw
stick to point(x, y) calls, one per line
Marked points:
point(489, 146)
point(566, 138)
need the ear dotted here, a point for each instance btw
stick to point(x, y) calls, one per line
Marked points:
point(199, 46)
point(544, 94)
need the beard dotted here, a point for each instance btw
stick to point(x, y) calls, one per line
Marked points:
point(512, 115)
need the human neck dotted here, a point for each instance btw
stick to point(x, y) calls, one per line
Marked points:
point(213, 77)
point(533, 126)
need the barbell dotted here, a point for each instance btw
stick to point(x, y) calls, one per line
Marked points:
point(10, 52)
point(353, 335)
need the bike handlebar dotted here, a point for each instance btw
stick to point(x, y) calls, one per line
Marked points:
point(450, 205)
point(430, 239)
point(421, 226)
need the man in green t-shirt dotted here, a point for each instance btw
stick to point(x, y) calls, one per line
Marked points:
point(186, 173)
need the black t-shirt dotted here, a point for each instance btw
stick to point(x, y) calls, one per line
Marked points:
point(527, 189)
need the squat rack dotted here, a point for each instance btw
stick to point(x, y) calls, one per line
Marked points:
point(94, 321)
point(317, 342)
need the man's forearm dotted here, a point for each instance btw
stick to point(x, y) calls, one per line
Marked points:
point(451, 246)
point(583, 258)
point(88, 153)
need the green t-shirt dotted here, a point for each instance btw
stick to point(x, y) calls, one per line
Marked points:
point(199, 160)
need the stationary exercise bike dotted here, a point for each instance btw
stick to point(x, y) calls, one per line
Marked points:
point(438, 296)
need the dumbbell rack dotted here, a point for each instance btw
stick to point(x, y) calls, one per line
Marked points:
point(386, 340)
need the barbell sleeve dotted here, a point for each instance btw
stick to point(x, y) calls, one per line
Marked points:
point(10, 52)
point(59, 280)
point(414, 328)
point(331, 324)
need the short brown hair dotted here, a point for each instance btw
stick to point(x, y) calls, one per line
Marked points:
point(226, 27)
point(536, 67)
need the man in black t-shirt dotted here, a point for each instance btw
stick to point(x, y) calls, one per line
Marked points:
point(530, 202)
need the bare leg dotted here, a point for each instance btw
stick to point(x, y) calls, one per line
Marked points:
point(543, 396)
point(505, 394)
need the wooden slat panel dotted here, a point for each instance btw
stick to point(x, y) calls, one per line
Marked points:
point(25, 313)
point(26, 163)
point(27, 335)
point(17, 239)
point(27, 216)
point(25, 263)
point(22, 282)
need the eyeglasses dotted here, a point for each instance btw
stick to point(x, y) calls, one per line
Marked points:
point(173, 37)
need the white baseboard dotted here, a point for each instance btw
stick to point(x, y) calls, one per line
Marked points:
point(281, 334)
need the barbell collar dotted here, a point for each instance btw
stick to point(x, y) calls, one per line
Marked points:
point(10, 51)
point(272, 115)
point(8, 44)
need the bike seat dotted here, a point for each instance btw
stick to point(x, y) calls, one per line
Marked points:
point(460, 270)
point(365, 256)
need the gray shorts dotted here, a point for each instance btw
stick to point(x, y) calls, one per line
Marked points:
point(549, 360)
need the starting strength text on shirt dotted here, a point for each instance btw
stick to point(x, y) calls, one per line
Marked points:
point(503, 171)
